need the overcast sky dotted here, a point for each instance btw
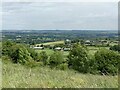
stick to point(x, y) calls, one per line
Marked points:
point(60, 15)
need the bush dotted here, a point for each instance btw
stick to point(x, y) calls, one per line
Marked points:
point(63, 66)
point(43, 57)
point(33, 54)
point(56, 59)
point(78, 59)
point(33, 64)
point(6, 47)
point(115, 48)
point(20, 54)
point(107, 61)
point(92, 65)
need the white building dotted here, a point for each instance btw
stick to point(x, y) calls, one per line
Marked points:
point(38, 48)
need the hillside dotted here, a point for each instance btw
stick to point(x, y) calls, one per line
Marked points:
point(19, 76)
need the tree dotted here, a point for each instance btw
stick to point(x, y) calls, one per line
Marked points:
point(20, 54)
point(56, 59)
point(6, 47)
point(78, 58)
point(107, 61)
point(82, 42)
point(33, 54)
point(43, 57)
point(115, 48)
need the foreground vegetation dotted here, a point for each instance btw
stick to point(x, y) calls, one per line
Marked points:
point(103, 61)
point(79, 67)
point(20, 76)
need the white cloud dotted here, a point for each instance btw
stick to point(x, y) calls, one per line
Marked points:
point(60, 0)
point(64, 15)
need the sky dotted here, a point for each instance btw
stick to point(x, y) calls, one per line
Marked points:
point(59, 16)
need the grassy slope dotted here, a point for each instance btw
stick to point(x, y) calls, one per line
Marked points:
point(0, 74)
point(16, 76)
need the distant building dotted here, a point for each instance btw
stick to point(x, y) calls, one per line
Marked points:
point(66, 49)
point(116, 42)
point(38, 48)
point(58, 48)
point(18, 39)
point(18, 36)
point(67, 40)
point(87, 42)
point(104, 41)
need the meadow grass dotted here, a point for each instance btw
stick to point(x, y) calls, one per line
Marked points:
point(0, 73)
point(50, 51)
point(19, 76)
point(92, 49)
point(47, 50)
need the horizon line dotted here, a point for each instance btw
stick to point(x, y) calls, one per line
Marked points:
point(64, 29)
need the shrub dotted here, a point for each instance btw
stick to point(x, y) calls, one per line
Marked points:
point(20, 54)
point(92, 65)
point(6, 47)
point(107, 61)
point(33, 64)
point(56, 59)
point(33, 54)
point(43, 57)
point(63, 66)
point(115, 48)
point(78, 58)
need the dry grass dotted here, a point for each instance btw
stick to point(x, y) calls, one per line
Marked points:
point(52, 43)
point(0, 73)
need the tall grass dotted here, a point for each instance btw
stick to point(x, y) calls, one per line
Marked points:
point(19, 76)
point(0, 74)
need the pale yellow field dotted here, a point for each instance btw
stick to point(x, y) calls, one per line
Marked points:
point(52, 43)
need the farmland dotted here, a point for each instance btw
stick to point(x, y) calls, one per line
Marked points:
point(59, 45)
point(91, 50)
point(52, 43)
point(20, 72)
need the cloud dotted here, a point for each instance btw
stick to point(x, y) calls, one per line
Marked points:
point(14, 6)
point(59, 15)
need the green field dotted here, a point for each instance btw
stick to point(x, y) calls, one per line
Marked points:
point(50, 51)
point(19, 76)
point(91, 50)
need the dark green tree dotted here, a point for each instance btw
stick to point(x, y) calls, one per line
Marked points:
point(78, 58)
point(107, 61)
point(6, 47)
point(20, 54)
point(115, 48)
point(33, 54)
point(56, 59)
point(43, 57)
